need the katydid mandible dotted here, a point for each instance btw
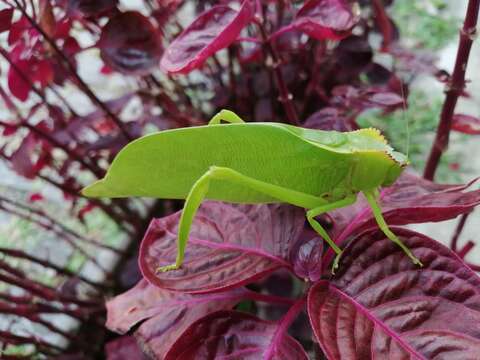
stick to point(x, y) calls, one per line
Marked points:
point(243, 162)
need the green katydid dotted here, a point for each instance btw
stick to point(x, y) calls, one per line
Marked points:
point(243, 162)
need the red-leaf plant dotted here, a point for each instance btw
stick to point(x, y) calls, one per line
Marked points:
point(378, 304)
point(296, 62)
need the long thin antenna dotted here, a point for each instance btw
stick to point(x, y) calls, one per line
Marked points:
point(405, 118)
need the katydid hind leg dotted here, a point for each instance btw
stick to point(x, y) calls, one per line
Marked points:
point(194, 199)
point(311, 214)
point(227, 116)
point(199, 191)
point(371, 197)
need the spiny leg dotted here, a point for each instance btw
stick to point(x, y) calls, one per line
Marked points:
point(199, 191)
point(227, 116)
point(311, 214)
point(371, 197)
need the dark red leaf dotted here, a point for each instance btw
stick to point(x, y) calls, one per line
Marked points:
point(229, 246)
point(90, 8)
point(466, 124)
point(5, 19)
point(130, 44)
point(125, 347)
point(19, 87)
point(9, 130)
point(18, 29)
point(213, 30)
point(235, 335)
point(382, 306)
point(165, 315)
point(22, 159)
point(35, 197)
point(329, 118)
point(46, 18)
point(326, 19)
point(307, 263)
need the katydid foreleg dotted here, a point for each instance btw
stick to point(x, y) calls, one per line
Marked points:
point(227, 116)
point(371, 197)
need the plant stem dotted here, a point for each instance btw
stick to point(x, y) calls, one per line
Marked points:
point(285, 323)
point(454, 89)
point(466, 249)
point(286, 97)
point(71, 68)
point(458, 231)
point(47, 264)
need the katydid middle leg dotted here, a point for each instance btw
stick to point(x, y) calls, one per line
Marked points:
point(311, 214)
point(227, 116)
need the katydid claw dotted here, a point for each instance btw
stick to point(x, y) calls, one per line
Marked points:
point(162, 269)
point(335, 262)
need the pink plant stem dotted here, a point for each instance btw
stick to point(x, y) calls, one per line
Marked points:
point(286, 97)
point(454, 89)
point(458, 231)
point(47, 264)
point(284, 324)
point(71, 68)
point(466, 249)
point(54, 224)
point(60, 235)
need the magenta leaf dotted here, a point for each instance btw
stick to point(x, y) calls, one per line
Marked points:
point(229, 245)
point(165, 314)
point(213, 30)
point(5, 19)
point(130, 44)
point(325, 19)
point(125, 347)
point(466, 124)
point(307, 263)
point(235, 335)
point(410, 200)
point(329, 118)
point(22, 159)
point(381, 306)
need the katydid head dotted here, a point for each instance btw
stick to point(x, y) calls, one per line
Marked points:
point(377, 164)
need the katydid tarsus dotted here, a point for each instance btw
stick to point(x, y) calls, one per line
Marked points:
point(243, 162)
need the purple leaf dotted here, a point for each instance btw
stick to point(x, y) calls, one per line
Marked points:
point(213, 30)
point(130, 44)
point(229, 246)
point(22, 159)
point(5, 19)
point(466, 124)
point(325, 19)
point(89, 8)
point(329, 118)
point(165, 314)
point(235, 335)
point(410, 200)
point(308, 260)
point(382, 306)
point(125, 347)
